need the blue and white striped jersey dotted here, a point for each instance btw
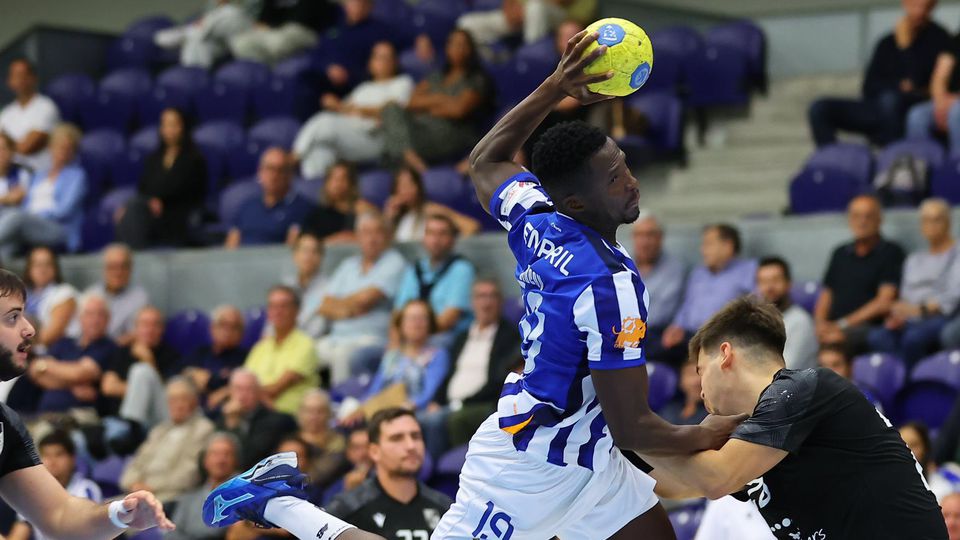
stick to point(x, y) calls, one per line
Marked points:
point(586, 308)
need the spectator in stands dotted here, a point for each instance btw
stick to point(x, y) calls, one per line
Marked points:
point(285, 362)
point(531, 19)
point(326, 445)
point(51, 302)
point(773, 285)
point(722, 277)
point(688, 408)
point(951, 515)
point(408, 208)
point(334, 219)
point(835, 358)
point(663, 277)
point(52, 212)
point(70, 374)
point(125, 299)
point(170, 192)
point(898, 76)
point(282, 28)
point(30, 118)
point(727, 518)
point(258, 428)
point(359, 297)
point(441, 277)
point(168, 461)
point(942, 481)
point(210, 366)
point(440, 123)
point(860, 285)
point(358, 464)
point(929, 290)
point(203, 41)
point(219, 459)
point(394, 500)
point(309, 283)
point(269, 217)
point(14, 178)
point(348, 128)
point(133, 382)
point(59, 455)
point(940, 113)
point(342, 55)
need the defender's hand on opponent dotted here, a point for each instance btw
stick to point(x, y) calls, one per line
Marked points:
point(718, 429)
point(569, 76)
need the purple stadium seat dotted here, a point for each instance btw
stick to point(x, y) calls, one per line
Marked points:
point(220, 102)
point(182, 85)
point(445, 8)
point(426, 469)
point(131, 51)
point(682, 40)
point(663, 384)
point(243, 162)
point(277, 131)
point(822, 189)
point(927, 401)
point(216, 141)
point(445, 185)
point(927, 150)
point(664, 115)
point(805, 294)
point(485, 5)
point(100, 153)
point(520, 78)
point(98, 222)
point(71, 92)
point(414, 66)
point(433, 21)
point(146, 139)
point(883, 374)
point(130, 84)
point(946, 182)
point(187, 330)
point(447, 471)
point(130, 167)
point(106, 473)
point(513, 310)
point(355, 387)
point(942, 367)
point(293, 68)
point(276, 98)
point(148, 26)
point(717, 76)
point(667, 72)
point(108, 110)
point(375, 186)
point(544, 50)
point(686, 521)
point(309, 189)
point(243, 74)
point(392, 10)
point(235, 195)
point(854, 159)
point(254, 321)
point(748, 37)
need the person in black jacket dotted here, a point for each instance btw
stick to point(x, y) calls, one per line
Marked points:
point(483, 354)
point(171, 190)
point(258, 428)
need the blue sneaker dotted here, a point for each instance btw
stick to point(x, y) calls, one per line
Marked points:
point(245, 496)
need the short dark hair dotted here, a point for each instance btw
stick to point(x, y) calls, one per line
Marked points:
point(286, 289)
point(445, 219)
point(297, 439)
point(11, 284)
point(747, 322)
point(383, 416)
point(924, 432)
point(321, 247)
point(57, 273)
point(59, 438)
point(727, 233)
point(836, 348)
point(774, 260)
point(562, 155)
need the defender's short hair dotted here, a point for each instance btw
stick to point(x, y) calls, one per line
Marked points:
point(562, 154)
point(746, 322)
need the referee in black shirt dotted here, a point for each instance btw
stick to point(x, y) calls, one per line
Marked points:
point(819, 461)
point(28, 486)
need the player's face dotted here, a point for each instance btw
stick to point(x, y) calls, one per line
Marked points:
point(400, 449)
point(16, 333)
point(771, 283)
point(58, 461)
point(615, 192)
point(716, 382)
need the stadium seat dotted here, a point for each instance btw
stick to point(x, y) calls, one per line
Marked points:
point(233, 196)
point(129, 84)
point(146, 139)
point(182, 86)
point(101, 152)
point(929, 151)
point(106, 473)
point(392, 11)
point(925, 401)
point(667, 76)
point(445, 185)
point(749, 38)
point(686, 521)
point(108, 110)
point(375, 186)
point(883, 374)
point(146, 27)
point(664, 115)
point(805, 294)
point(663, 384)
point(543, 50)
point(187, 330)
point(235, 81)
point(243, 162)
point(243, 74)
point(98, 224)
point(513, 309)
point(255, 319)
point(520, 77)
point(276, 131)
point(447, 471)
point(71, 92)
point(717, 76)
point(131, 52)
point(354, 387)
point(946, 181)
point(219, 101)
point(822, 189)
point(276, 98)
point(433, 20)
point(293, 68)
point(217, 140)
point(942, 367)
point(130, 168)
point(309, 189)
point(852, 158)
point(682, 40)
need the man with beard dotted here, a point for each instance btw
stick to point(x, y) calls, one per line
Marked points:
point(773, 285)
point(28, 486)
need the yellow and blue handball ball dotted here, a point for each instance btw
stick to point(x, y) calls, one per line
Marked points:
point(629, 55)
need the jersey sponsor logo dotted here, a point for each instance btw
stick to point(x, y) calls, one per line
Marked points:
point(379, 518)
point(544, 248)
point(220, 505)
point(632, 330)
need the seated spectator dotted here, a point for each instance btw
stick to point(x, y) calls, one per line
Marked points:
point(70, 374)
point(394, 500)
point(723, 276)
point(836, 359)
point(219, 462)
point(441, 277)
point(940, 114)
point(359, 297)
point(269, 217)
point(860, 285)
point(898, 76)
point(688, 409)
point(951, 515)
point(167, 463)
point(282, 28)
point(14, 178)
point(728, 518)
point(358, 465)
point(408, 208)
point(341, 57)
point(258, 428)
point(52, 212)
point(530, 19)
point(340, 203)
point(59, 455)
point(663, 277)
point(929, 291)
point(440, 122)
point(472, 387)
point(132, 385)
point(170, 192)
point(30, 117)
point(773, 285)
point(348, 128)
point(210, 366)
point(942, 481)
point(309, 282)
point(203, 41)
point(126, 299)
point(51, 303)
point(326, 445)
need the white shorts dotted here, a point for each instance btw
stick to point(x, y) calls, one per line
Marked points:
point(510, 495)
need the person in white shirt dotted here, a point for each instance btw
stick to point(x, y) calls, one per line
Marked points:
point(729, 519)
point(348, 128)
point(773, 285)
point(30, 117)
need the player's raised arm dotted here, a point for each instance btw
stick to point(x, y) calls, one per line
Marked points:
point(491, 161)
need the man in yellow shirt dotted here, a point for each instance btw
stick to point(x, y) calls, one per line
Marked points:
point(286, 361)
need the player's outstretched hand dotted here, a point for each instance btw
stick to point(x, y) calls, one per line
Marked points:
point(718, 429)
point(142, 510)
point(569, 75)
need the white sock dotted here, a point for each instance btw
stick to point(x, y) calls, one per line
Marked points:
point(304, 520)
